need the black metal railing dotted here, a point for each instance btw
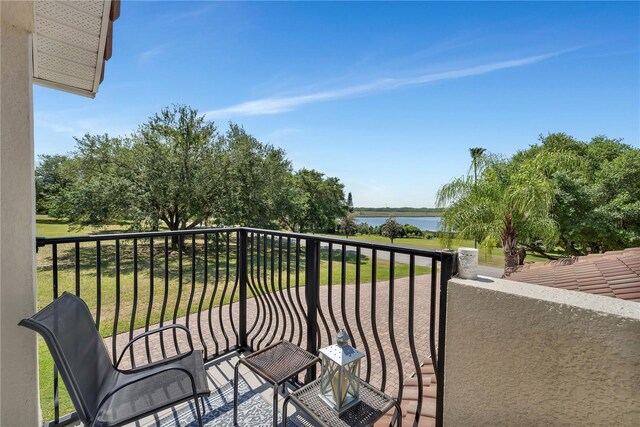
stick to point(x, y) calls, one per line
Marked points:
point(244, 288)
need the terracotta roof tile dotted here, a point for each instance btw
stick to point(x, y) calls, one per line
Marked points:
point(615, 274)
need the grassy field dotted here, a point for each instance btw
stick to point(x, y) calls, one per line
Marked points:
point(494, 259)
point(135, 289)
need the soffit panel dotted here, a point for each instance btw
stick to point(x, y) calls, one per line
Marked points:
point(69, 43)
point(66, 80)
point(58, 49)
point(64, 66)
point(65, 13)
point(66, 34)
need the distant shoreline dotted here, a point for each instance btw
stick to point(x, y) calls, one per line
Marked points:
point(395, 212)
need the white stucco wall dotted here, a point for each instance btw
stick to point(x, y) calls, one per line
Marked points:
point(520, 354)
point(19, 401)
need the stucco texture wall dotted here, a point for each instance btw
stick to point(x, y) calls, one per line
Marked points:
point(19, 404)
point(520, 354)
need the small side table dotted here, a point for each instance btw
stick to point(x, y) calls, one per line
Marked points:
point(373, 405)
point(277, 364)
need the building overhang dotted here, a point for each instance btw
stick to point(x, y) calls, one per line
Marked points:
point(71, 43)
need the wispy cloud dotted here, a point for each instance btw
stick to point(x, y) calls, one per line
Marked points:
point(59, 128)
point(275, 105)
point(188, 14)
point(281, 133)
point(75, 126)
point(148, 55)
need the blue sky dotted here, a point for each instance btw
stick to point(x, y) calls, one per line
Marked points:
point(388, 97)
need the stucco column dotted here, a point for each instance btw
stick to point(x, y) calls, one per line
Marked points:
point(19, 400)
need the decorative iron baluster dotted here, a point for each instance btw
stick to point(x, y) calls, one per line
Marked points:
point(135, 300)
point(365, 344)
point(374, 325)
point(151, 295)
point(205, 268)
point(224, 290)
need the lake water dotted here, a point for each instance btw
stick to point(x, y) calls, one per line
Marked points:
point(429, 223)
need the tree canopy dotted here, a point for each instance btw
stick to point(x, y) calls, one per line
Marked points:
point(347, 224)
point(316, 202)
point(597, 201)
point(391, 229)
point(582, 195)
point(177, 170)
point(50, 181)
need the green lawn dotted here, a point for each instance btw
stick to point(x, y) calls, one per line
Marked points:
point(494, 259)
point(177, 294)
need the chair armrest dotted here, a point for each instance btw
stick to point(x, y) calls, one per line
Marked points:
point(152, 332)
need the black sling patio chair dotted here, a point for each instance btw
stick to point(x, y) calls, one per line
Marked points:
point(102, 394)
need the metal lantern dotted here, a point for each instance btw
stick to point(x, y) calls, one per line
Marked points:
point(340, 376)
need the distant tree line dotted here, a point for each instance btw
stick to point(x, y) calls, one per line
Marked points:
point(562, 194)
point(402, 211)
point(179, 171)
point(391, 229)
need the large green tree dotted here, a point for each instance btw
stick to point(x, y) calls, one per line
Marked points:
point(321, 202)
point(597, 199)
point(177, 170)
point(50, 181)
point(350, 202)
point(391, 229)
point(175, 158)
point(165, 173)
point(347, 224)
point(99, 187)
point(256, 188)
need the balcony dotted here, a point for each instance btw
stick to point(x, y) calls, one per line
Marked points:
point(239, 290)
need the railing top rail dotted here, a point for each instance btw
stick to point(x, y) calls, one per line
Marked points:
point(436, 254)
point(401, 249)
point(43, 241)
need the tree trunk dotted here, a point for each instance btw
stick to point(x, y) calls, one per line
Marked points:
point(176, 241)
point(509, 246)
point(522, 254)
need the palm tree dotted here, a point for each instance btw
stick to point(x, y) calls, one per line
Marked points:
point(476, 157)
point(507, 203)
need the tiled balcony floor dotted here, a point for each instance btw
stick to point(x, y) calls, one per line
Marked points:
point(220, 375)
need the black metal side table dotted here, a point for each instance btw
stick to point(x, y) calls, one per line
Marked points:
point(373, 405)
point(277, 364)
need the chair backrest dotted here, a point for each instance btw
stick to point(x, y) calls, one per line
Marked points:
point(77, 349)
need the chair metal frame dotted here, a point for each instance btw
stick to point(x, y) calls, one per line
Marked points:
point(138, 374)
